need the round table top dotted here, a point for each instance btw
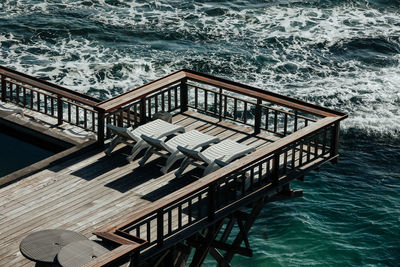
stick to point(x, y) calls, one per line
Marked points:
point(79, 253)
point(43, 246)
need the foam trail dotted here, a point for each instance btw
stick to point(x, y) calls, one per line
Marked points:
point(344, 56)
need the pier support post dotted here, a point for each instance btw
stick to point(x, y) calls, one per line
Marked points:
point(242, 235)
point(202, 250)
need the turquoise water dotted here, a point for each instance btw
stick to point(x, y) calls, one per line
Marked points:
point(340, 54)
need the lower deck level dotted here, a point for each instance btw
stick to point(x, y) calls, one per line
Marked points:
point(92, 189)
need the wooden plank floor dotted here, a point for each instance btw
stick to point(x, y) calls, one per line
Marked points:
point(91, 190)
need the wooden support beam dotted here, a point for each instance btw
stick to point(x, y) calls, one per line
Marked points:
point(241, 215)
point(218, 257)
point(221, 245)
point(237, 250)
point(160, 260)
point(202, 251)
point(227, 230)
point(243, 233)
point(182, 255)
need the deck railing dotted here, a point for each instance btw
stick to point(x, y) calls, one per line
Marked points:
point(221, 98)
point(309, 138)
point(202, 203)
point(52, 100)
point(259, 109)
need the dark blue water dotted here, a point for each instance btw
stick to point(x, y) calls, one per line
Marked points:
point(16, 153)
point(340, 54)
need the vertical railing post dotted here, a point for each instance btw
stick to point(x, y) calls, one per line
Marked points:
point(142, 110)
point(59, 110)
point(100, 126)
point(160, 228)
point(121, 119)
point(3, 88)
point(335, 141)
point(220, 105)
point(211, 201)
point(296, 114)
point(184, 95)
point(257, 117)
point(275, 168)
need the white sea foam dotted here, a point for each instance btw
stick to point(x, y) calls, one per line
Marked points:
point(282, 49)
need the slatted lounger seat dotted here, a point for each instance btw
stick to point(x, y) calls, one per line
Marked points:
point(191, 140)
point(215, 157)
point(156, 129)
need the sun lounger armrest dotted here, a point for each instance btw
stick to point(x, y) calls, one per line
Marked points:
point(220, 162)
point(176, 129)
point(116, 128)
point(121, 131)
point(243, 153)
point(157, 143)
point(190, 153)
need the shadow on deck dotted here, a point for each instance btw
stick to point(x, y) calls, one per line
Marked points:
point(91, 190)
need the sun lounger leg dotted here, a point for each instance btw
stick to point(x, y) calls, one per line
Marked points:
point(146, 156)
point(136, 149)
point(210, 168)
point(114, 142)
point(183, 166)
point(171, 160)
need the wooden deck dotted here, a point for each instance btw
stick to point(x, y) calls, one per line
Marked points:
point(91, 190)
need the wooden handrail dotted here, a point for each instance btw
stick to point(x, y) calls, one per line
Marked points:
point(49, 87)
point(222, 173)
point(262, 94)
point(142, 91)
point(114, 256)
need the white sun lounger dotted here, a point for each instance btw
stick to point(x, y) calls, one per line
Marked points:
point(157, 129)
point(215, 157)
point(191, 140)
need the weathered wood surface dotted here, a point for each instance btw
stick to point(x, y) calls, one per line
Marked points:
point(92, 190)
point(45, 124)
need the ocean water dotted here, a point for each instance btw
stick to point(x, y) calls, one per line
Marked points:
point(341, 54)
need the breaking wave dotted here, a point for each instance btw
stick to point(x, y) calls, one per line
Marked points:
point(340, 54)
